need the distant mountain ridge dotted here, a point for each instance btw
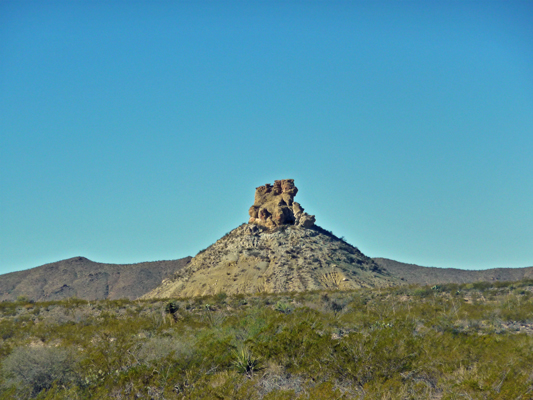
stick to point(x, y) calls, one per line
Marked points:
point(86, 279)
point(416, 274)
point(280, 249)
point(89, 280)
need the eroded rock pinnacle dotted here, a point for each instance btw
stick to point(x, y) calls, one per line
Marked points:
point(274, 206)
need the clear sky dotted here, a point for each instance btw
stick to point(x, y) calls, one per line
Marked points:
point(138, 131)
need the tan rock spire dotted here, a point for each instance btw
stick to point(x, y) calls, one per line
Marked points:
point(274, 206)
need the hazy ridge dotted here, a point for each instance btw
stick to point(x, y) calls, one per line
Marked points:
point(416, 274)
point(86, 279)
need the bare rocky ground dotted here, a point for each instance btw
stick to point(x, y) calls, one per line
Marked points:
point(254, 259)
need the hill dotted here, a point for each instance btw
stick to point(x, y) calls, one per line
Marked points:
point(279, 250)
point(254, 259)
point(415, 274)
point(86, 279)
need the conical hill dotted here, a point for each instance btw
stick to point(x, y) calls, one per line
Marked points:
point(254, 259)
point(279, 250)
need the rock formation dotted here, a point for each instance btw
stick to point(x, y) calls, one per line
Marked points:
point(274, 206)
point(279, 250)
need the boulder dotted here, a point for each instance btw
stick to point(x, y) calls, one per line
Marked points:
point(306, 220)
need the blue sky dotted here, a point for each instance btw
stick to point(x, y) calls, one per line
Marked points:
point(138, 131)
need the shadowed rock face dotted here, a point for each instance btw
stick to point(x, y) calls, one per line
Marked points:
point(274, 206)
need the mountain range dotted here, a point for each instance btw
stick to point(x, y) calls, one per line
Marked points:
point(89, 280)
point(280, 249)
point(86, 279)
point(415, 274)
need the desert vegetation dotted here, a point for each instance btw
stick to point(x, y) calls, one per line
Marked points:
point(471, 341)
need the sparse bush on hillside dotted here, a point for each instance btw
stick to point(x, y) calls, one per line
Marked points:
point(35, 369)
point(172, 308)
point(157, 349)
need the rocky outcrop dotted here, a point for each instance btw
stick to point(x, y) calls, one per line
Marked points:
point(274, 206)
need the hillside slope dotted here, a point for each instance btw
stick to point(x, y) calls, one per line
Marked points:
point(86, 279)
point(415, 274)
point(254, 259)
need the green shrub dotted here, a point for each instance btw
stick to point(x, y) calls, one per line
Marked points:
point(8, 329)
point(221, 297)
point(360, 358)
point(156, 349)
point(422, 292)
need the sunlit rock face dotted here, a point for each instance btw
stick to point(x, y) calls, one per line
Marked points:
point(274, 206)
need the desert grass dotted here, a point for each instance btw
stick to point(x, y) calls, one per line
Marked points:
point(470, 341)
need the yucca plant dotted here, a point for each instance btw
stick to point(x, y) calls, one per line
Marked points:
point(245, 362)
point(282, 307)
point(172, 307)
